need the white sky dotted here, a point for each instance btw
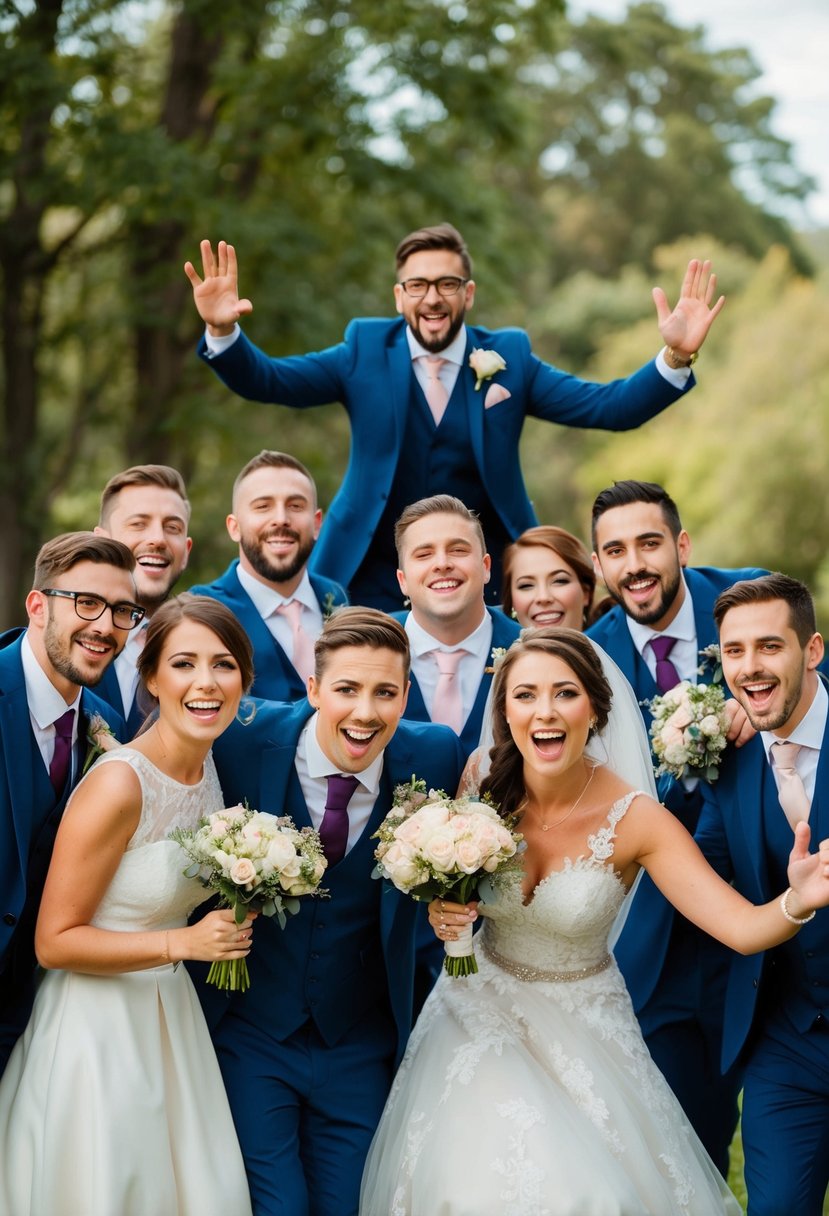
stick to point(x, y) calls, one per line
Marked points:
point(789, 40)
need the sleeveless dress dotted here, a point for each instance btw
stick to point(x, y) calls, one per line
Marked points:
point(527, 1089)
point(112, 1103)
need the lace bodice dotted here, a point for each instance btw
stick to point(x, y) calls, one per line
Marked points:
point(149, 890)
point(565, 925)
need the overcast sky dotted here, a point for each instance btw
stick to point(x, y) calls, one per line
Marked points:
point(789, 39)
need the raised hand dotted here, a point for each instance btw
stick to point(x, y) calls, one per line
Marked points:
point(808, 874)
point(686, 327)
point(216, 295)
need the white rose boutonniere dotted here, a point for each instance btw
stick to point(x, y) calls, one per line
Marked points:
point(100, 739)
point(485, 364)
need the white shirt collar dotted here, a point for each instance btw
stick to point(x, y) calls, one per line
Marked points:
point(810, 730)
point(318, 764)
point(454, 352)
point(267, 599)
point(476, 643)
point(683, 627)
point(46, 704)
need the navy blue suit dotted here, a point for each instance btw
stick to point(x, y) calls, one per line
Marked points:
point(504, 633)
point(29, 818)
point(676, 973)
point(777, 1003)
point(370, 372)
point(109, 690)
point(275, 678)
point(308, 1053)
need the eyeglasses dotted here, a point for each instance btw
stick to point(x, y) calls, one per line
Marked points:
point(447, 285)
point(91, 607)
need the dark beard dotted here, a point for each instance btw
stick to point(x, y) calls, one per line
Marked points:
point(277, 572)
point(650, 616)
point(435, 345)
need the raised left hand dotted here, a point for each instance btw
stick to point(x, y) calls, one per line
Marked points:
point(808, 874)
point(686, 327)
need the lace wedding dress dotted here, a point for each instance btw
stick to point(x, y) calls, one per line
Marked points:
point(527, 1090)
point(112, 1103)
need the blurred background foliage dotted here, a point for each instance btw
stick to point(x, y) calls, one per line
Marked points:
point(583, 163)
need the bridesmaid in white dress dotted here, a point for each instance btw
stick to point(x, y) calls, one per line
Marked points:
point(527, 1089)
point(112, 1103)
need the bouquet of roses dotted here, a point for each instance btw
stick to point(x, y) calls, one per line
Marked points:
point(257, 862)
point(436, 847)
point(688, 732)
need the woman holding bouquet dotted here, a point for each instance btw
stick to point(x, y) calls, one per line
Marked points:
point(527, 1089)
point(112, 1101)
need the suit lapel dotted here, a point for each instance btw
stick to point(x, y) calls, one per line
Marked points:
point(473, 403)
point(416, 706)
point(748, 790)
point(400, 386)
point(19, 747)
point(272, 661)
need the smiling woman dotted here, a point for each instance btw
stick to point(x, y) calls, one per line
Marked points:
point(114, 920)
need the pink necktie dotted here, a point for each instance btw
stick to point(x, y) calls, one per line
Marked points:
point(62, 755)
point(437, 396)
point(447, 706)
point(790, 789)
point(302, 655)
point(667, 676)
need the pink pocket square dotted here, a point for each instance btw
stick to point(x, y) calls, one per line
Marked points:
point(496, 393)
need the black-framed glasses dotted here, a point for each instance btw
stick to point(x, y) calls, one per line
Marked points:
point(447, 285)
point(90, 607)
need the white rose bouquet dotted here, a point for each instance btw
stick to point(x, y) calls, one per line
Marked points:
point(436, 847)
point(688, 732)
point(257, 862)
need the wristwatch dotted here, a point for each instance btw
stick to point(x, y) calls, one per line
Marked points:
point(676, 361)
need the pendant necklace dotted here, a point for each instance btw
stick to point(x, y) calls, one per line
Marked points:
point(545, 827)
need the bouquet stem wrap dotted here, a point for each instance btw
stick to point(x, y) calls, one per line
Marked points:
point(460, 956)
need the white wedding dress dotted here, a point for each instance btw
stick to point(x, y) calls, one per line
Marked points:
point(112, 1103)
point(521, 1095)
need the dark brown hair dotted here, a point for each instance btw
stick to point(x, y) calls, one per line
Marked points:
point(438, 504)
point(267, 459)
point(161, 475)
point(505, 780)
point(568, 547)
point(791, 591)
point(204, 611)
point(440, 236)
point(59, 555)
point(624, 493)
point(360, 627)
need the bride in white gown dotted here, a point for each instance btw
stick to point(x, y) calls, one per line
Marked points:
point(527, 1089)
point(112, 1103)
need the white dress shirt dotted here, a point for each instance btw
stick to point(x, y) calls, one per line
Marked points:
point(685, 653)
point(125, 664)
point(46, 705)
point(312, 769)
point(470, 668)
point(453, 356)
point(267, 601)
point(808, 735)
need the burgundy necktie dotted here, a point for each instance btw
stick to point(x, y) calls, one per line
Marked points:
point(436, 393)
point(667, 676)
point(334, 826)
point(62, 755)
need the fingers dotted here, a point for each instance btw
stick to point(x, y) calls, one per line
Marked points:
point(663, 310)
point(802, 835)
point(192, 274)
point(447, 919)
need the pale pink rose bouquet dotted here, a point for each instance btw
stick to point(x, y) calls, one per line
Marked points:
point(258, 863)
point(688, 732)
point(436, 847)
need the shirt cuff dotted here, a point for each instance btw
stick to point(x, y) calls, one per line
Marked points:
point(215, 346)
point(677, 376)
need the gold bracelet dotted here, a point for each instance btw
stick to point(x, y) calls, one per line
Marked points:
point(676, 361)
point(784, 908)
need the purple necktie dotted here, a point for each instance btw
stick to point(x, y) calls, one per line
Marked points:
point(667, 676)
point(59, 768)
point(334, 826)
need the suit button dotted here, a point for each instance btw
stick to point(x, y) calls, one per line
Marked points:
point(320, 925)
point(315, 956)
point(754, 982)
point(9, 919)
point(810, 954)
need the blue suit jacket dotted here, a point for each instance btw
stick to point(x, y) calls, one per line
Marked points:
point(504, 633)
point(18, 754)
point(643, 944)
point(732, 837)
point(255, 763)
point(276, 678)
point(109, 690)
point(370, 372)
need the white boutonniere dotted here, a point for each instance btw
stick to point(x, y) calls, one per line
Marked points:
point(100, 739)
point(498, 653)
point(711, 664)
point(485, 364)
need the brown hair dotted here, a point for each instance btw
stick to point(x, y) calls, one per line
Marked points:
point(360, 627)
point(505, 781)
point(142, 475)
point(624, 493)
point(440, 236)
point(272, 460)
point(204, 611)
point(568, 547)
point(64, 552)
point(791, 591)
point(438, 504)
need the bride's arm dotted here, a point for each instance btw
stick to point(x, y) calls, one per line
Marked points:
point(676, 865)
point(96, 828)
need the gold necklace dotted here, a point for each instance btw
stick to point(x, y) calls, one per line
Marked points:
point(545, 827)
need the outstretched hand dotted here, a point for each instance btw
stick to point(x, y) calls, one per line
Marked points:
point(216, 295)
point(686, 327)
point(808, 873)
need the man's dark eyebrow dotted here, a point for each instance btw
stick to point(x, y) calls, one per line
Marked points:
point(641, 536)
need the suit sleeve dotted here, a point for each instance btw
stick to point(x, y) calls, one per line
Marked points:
point(711, 835)
point(298, 381)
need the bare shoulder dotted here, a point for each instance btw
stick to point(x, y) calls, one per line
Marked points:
point(108, 799)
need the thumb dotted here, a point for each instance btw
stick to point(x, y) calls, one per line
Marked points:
point(802, 836)
point(661, 301)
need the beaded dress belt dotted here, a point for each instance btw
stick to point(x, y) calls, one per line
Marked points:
point(536, 975)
